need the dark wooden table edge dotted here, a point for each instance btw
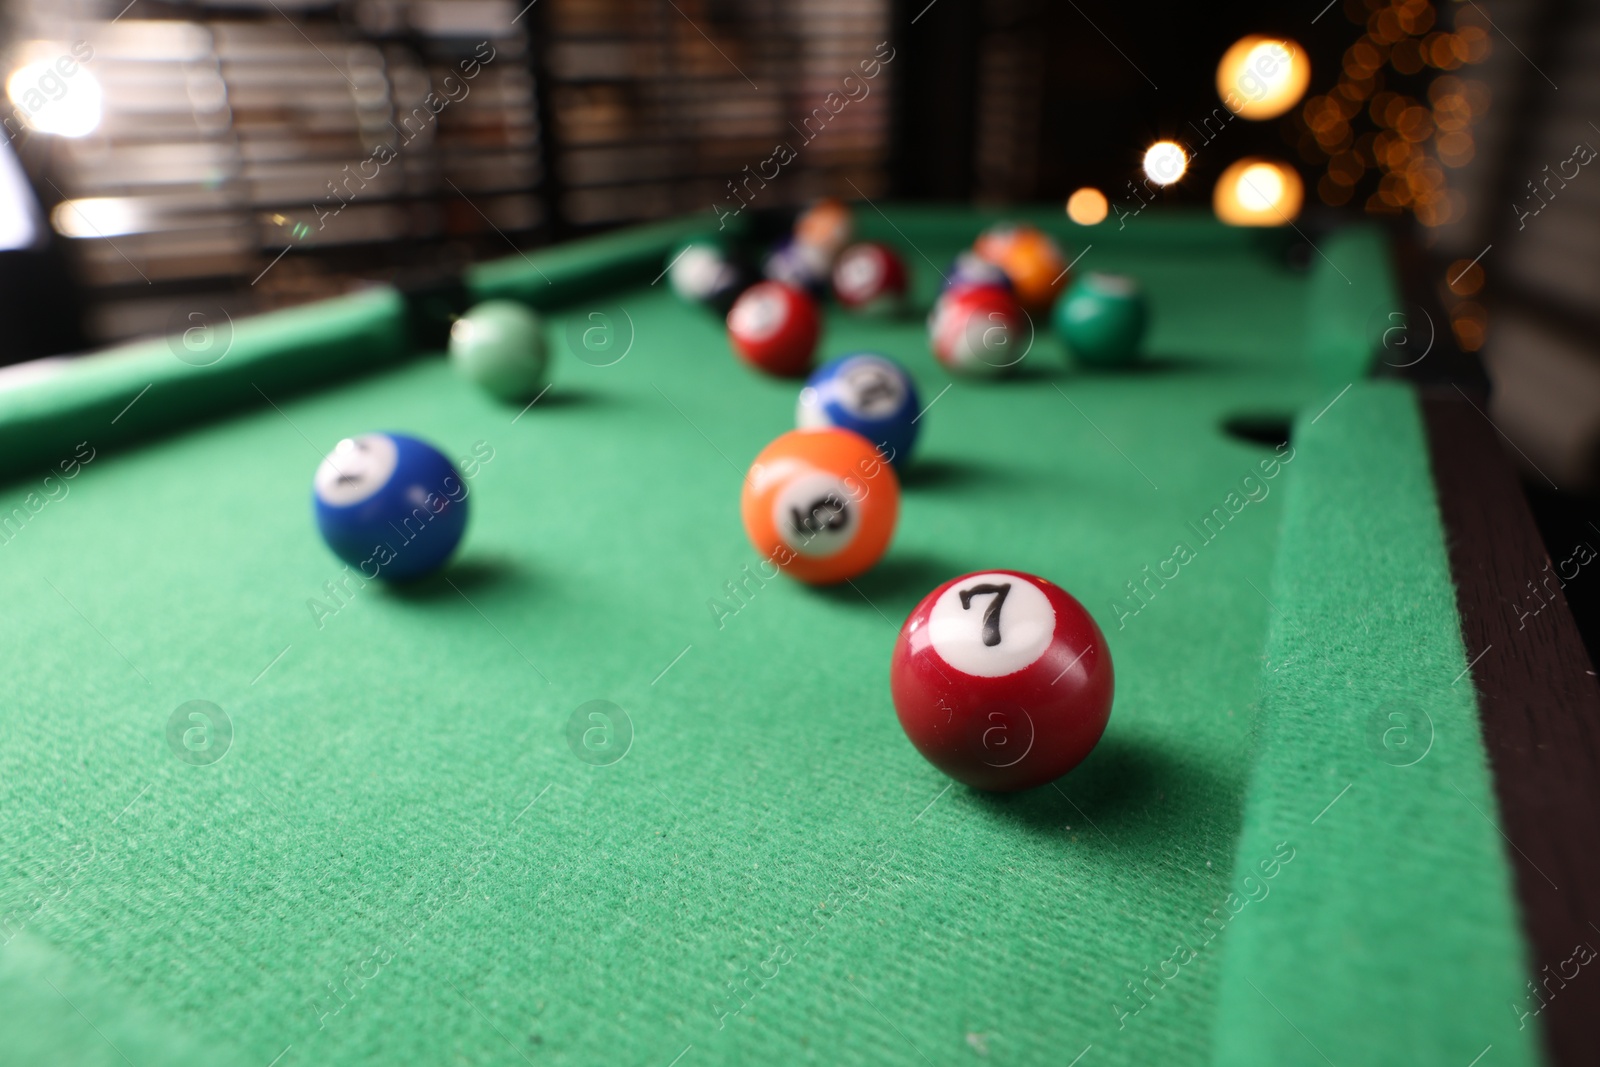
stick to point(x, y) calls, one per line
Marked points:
point(1538, 696)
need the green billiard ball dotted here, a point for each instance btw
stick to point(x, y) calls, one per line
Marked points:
point(500, 345)
point(1101, 317)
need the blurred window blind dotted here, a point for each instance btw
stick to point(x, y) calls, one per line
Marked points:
point(275, 152)
point(274, 155)
point(660, 107)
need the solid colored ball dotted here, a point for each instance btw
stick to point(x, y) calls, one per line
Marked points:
point(804, 266)
point(867, 393)
point(971, 269)
point(500, 346)
point(1032, 260)
point(1002, 680)
point(709, 275)
point(774, 328)
point(870, 277)
point(978, 331)
point(820, 504)
point(1102, 319)
point(390, 505)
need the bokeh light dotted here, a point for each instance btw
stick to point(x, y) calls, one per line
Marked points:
point(1087, 207)
point(1262, 77)
point(1258, 192)
point(51, 103)
point(99, 216)
point(1469, 321)
point(1165, 162)
point(1464, 277)
point(1397, 73)
point(19, 219)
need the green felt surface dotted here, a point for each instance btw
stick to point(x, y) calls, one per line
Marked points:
point(1353, 307)
point(131, 393)
point(55, 1012)
point(1371, 768)
point(401, 860)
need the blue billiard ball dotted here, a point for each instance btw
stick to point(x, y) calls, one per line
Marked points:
point(867, 393)
point(390, 505)
point(804, 266)
point(971, 269)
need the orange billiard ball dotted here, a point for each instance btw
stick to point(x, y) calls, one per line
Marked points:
point(1030, 258)
point(821, 504)
point(827, 225)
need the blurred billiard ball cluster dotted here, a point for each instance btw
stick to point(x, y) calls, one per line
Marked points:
point(1000, 678)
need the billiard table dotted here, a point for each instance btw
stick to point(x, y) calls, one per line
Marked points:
point(605, 791)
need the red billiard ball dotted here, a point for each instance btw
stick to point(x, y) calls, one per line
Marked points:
point(870, 277)
point(774, 328)
point(1002, 680)
point(978, 330)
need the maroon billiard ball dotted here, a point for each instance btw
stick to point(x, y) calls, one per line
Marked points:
point(1002, 680)
point(870, 277)
point(774, 327)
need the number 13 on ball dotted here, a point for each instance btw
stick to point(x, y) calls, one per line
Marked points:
point(1002, 680)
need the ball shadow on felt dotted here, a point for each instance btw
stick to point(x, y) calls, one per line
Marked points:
point(895, 584)
point(1129, 796)
point(468, 575)
point(937, 473)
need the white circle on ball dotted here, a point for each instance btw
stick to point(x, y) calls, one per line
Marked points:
point(697, 272)
point(356, 469)
point(816, 515)
point(991, 625)
point(808, 411)
point(949, 341)
point(870, 388)
point(1119, 285)
point(758, 314)
point(988, 338)
point(860, 271)
point(813, 256)
point(976, 339)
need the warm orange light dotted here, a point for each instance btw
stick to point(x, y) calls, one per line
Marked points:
point(1258, 192)
point(1464, 277)
point(1262, 77)
point(1333, 193)
point(1474, 42)
point(1456, 149)
point(1087, 207)
point(1470, 322)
